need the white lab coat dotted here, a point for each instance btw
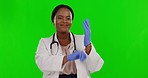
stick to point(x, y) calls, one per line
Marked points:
point(51, 65)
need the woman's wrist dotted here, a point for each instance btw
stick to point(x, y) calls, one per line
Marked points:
point(88, 49)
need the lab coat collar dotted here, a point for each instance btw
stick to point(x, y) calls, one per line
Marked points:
point(71, 37)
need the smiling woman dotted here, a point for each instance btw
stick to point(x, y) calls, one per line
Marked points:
point(63, 20)
point(66, 55)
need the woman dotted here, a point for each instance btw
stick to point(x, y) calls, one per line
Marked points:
point(65, 55)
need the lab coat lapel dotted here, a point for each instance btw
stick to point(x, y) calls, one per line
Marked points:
point(72, 43)
point(60, 49)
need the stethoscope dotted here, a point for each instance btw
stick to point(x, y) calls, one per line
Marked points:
point(55, 42)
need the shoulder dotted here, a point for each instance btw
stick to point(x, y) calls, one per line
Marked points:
point(46, 40)
point(80, 37)
point(79, 41)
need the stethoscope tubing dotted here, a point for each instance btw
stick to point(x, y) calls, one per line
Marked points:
point(55, 42)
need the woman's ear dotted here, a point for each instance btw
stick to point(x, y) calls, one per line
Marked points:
point(54, 21)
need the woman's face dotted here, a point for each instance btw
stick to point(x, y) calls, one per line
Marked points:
point(63, 20)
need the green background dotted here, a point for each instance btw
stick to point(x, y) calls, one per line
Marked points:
point(119, 33)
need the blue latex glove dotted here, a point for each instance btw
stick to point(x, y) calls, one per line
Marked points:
point(76, 55)
point(86, 27)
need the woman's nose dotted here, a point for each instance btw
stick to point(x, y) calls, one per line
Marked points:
point(64, 20)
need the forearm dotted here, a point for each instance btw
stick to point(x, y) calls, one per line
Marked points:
point(88, 49)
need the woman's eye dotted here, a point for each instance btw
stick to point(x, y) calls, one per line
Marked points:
point(68, 18)
point(59, 18)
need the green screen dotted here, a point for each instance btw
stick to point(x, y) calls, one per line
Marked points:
point(119, 32)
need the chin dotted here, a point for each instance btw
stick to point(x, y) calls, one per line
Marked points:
point(65, 31)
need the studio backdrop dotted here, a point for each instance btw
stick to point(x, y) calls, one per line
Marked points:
point(119, 32)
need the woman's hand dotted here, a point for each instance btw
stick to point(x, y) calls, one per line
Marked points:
point(87, 32)
point(76, 55)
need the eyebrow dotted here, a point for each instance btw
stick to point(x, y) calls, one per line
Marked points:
point(62, 16)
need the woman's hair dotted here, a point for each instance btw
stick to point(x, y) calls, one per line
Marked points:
point(58, 7)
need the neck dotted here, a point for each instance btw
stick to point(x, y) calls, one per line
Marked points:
point(64, 38)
